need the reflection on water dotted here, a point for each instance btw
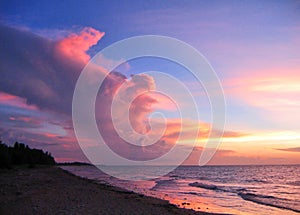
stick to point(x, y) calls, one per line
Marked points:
point(225, 189)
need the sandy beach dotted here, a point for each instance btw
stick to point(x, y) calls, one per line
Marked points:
point(51, 190)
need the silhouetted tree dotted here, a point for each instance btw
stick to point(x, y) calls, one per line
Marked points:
point(5, 156)
point(23, 154)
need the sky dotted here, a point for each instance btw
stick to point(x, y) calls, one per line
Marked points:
point(253, 47)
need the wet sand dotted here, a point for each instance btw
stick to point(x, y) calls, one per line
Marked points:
point(51, 190)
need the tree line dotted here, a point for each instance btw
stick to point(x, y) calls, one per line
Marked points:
point(21, 154)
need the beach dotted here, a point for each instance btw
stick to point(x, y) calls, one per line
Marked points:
point(51, 190)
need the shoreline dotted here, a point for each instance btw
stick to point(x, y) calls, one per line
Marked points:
point(52, 190)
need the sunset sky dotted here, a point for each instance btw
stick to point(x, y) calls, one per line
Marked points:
point(253, 47)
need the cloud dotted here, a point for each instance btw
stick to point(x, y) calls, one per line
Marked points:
point(205, 132)
point(130, 93)
point(15, 101)
point(219, 155)
point(137, 90)
point(43, 71)
point(25, 122)
point(75, 46)
point(275, 92)
point(296, 149)
point(38, 77)
point(43, 80)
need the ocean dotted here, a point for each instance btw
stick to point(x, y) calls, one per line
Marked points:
point(259, 190)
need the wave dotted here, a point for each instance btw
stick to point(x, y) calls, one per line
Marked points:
point(257, 181)
point(295, 183)
point(205, 186)
point(192, 193)
point(270, 201)
point(202, 178)
point(256, 198)
point(163, 183)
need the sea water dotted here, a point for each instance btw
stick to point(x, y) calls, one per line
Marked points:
point(259, 190)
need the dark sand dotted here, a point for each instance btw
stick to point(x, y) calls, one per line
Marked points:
point(51, 190)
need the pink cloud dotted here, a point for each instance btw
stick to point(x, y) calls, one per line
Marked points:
point(163, 102)
point(140, 108)
point(75, 46)
point(276, 91)
point(25, 119)
point(15, 101)
point(137, 91)
point(39, 75)
point(47, 81)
